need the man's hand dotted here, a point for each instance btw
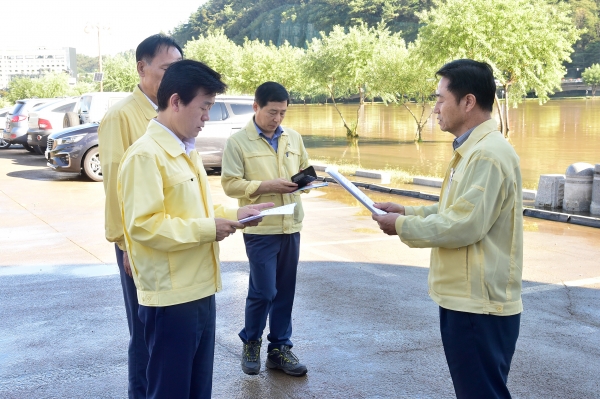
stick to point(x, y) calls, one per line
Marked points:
point(226, 227)
point(276, 186)
point(387, 222)
point(252, 210)
point(126, 264)
point(390, 207)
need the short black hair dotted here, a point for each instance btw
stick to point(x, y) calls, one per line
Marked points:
point(186, 78)
point(471, 77)
point(270, 91)
point(148, 48)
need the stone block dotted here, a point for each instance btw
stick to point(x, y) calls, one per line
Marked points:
point(550, 192)
point(546, 215)
point(578, 187)
point(529, 195)
point(585, 221)
point(595, 205)
point(381, 189)
point(428, 181)
point(383, 177)
point(406, 193)
point(319, 167)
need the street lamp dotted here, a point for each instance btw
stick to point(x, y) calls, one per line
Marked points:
point(98, 27)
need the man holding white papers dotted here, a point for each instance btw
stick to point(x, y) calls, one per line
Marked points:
point(171, 231)
point(258, 163)
point(476, 232)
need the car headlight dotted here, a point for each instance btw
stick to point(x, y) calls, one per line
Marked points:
point(70, 139)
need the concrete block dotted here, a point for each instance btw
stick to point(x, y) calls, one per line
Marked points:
point(585, 221)
point(406, 193)
point(381, 189)
point(428, 181)
point(383, 177)
point(578, 187)
point(546, 215)
point(595, 205)
point(529, 195)
point(429, 197)
point(550, 192)
point(361, 184)
point(319, 167)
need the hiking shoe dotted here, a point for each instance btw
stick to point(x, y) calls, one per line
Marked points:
point(251, 357)
point(282, 358)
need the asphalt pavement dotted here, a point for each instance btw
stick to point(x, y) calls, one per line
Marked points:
point(363, 322)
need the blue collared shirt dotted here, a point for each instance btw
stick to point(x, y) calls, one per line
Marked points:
point(274, 141)
point(460, 140)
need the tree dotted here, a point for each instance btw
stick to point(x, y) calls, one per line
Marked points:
point(403, 77)
point(591, 76)
point(220, 53)
point(344, 64)
point(120, 72)
point(525, 42)
point(48, 86)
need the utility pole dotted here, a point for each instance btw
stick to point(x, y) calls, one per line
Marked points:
point(99, 28)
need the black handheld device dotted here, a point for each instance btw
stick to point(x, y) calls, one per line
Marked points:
point(305, 177)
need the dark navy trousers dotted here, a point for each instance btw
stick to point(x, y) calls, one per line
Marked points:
point(479, 349)
point(272, 286)
point(181, 342)
point(137, 352)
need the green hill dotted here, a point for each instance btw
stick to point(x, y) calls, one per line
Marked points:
point(298, 21)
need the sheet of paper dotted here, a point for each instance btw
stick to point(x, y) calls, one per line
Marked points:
point(311, 186)
point(355, 191)
point(280, 210)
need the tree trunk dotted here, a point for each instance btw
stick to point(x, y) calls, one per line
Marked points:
point(506, 128)
point(501, 124)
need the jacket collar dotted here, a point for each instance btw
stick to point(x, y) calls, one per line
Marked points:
point(142, 101)
point(164, 139)
point(252, 133)
point(477, 135)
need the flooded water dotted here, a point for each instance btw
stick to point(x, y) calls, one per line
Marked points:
point(548, 138)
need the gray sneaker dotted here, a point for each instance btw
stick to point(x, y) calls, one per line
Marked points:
point(251, 357)
point(282, 358)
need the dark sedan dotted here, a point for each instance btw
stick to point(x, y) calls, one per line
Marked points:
point(75, 150)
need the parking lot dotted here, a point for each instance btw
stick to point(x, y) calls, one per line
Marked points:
point(363, 322)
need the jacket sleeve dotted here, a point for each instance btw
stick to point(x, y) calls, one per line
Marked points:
point(422, 211)
point(232, 174)
point(468, 219)
point(143, 211)
point(113, 140)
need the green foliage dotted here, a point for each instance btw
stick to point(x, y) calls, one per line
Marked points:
point(591, 76)
point(120, 73)
point(86, 64)
point(525, 41)
point(48, 86)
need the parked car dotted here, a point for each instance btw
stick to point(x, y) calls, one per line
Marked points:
point(17, 120)
point(47, 119)
point(75, 149)
point(3, 113)
point(227, 116)
point(91, 107)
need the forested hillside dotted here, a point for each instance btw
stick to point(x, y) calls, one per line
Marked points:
point(298, 21)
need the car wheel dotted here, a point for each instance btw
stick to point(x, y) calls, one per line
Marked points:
point(71, 119)
point(91, 165)
point(4, 144)
point(39, 150)
point(28, 147)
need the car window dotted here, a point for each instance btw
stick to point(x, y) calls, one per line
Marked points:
point(216, 112)
point(65, 108)
point(241, 109)
point(85, 103)
point(17, 108)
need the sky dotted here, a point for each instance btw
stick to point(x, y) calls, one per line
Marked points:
point(62, 23)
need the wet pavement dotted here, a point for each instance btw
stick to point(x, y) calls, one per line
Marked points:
point(363, 323)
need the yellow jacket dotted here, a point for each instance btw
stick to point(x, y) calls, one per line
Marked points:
point(248, 160)
point(476, 230)
point(168, 216)
point(123, 124)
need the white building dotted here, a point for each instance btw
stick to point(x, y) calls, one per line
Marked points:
point(35, 62)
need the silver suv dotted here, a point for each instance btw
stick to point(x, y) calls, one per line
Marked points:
point(17, 120)
point(76, 149)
